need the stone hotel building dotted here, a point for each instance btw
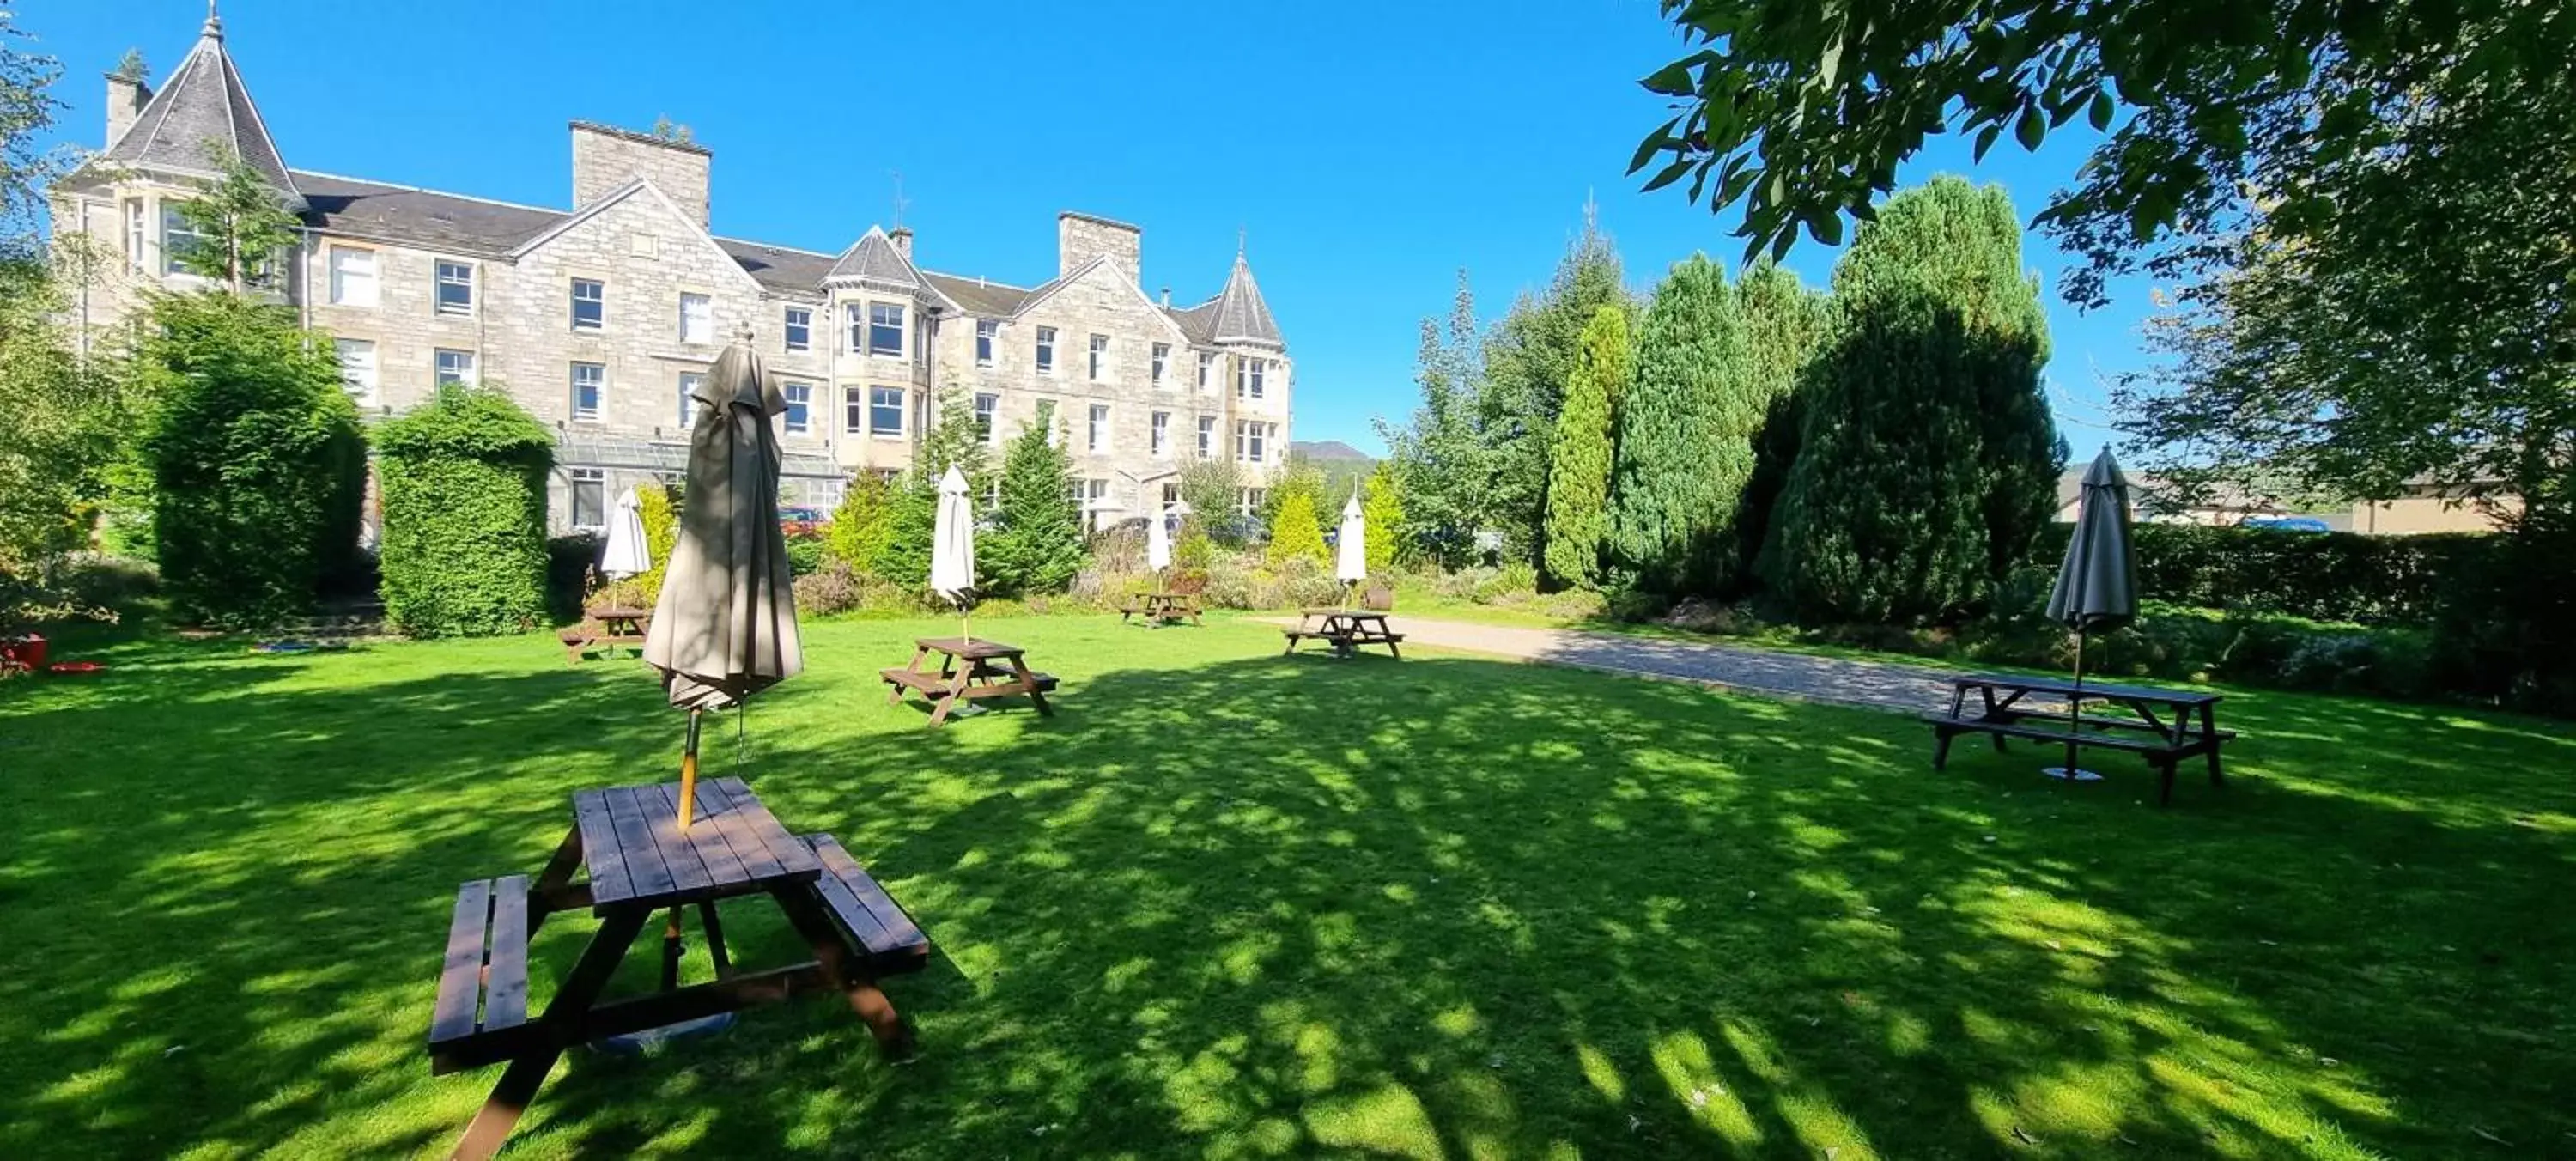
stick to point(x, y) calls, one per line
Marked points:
point(599, 316)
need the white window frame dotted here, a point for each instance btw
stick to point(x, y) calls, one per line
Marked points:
point(854, 410)
point(798, 332)
point(174, 225)
point(988, 342)
point(345, 283)
point(1096, 429)
point(1248, 377)
point(1207, 372)
point(798, 418)
point(596, 479)
point(358, 376)
point(988, 415)
point(1161, 445)
point(1046, 352)
point(439, 282)
point(1162, 363)
point(1248, 501)
point(689, 401)
point(1207, 436)
point(466, 374)
point(1095, 494)
point(599, 298)
point(598, 383)
point(138, 239)
point(876, 404)
point(1098, 350)
point(1251, 441)
point(705, 330)
point(902, 329)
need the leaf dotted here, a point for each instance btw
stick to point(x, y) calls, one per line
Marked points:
point(2031, 129)
point(1986, 140)
point(1655, 142)
point(1672, 80)
point(1825, 226)
point(1669, 174)
point(2100, 113)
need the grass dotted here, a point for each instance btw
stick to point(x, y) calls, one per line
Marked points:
point(1229, 904)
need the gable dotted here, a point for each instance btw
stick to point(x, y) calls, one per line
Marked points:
point(605, 232)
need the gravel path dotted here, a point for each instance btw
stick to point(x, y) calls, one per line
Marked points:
point(1874, 684)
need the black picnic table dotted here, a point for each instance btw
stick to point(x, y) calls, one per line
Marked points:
point(990, 669)
point(635, 862)
point(1345, 630)
point(1161, 608)
point(2164, 725)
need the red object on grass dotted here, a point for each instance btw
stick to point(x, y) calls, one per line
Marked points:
point(23, 652)
point(74, 667)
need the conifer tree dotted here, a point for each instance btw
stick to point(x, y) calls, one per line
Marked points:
point(1529, 362)
point(912, 513)
point(1294, 533)
point(1784, 326)
point(1036, 543)
point(1682, 450)
point(1578, 480)
point(1382, 511)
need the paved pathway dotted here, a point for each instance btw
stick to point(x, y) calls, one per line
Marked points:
point(1875, 684)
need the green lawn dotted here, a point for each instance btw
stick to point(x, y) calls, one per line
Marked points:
point(1230, 904)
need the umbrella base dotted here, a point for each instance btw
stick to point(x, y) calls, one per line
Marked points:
point(638, 1043)
point(2061, 772)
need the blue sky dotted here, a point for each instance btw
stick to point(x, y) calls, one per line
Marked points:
point(1367, 151)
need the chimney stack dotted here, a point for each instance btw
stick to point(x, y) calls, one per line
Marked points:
point(1079, 238)
point(1167, 298)
point(901, 236)
point(126, 97)
point(605, 158)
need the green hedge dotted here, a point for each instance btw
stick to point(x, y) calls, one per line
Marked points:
point(2322, 576)
point(464, 487)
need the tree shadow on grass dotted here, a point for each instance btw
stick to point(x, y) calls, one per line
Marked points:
point(1270, 906)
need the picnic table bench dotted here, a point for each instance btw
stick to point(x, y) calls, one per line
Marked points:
point(1161, 608)
point(1345, 630)
point(2164, 725)
point(969, 671)
point(602, 629)
point(636, 861)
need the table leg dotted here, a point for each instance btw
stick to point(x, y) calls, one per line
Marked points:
point(671, 948)
point(519, 1082)
point(556, 877)
point(715, 939)
point(867, 1001)
point(946, 701)
point(1029, 681)
point(2209, 738)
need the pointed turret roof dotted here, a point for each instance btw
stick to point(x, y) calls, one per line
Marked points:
point(203, 104)
point(1240, 315)
point(873, 258)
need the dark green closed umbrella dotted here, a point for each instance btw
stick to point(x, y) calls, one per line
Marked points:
point(2097, 587)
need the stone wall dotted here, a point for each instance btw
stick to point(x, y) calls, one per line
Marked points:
point(1081, 237)
point(605, 157)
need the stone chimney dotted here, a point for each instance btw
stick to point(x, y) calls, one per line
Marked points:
point(1167, 298)
point(605, 158)
point(126, 97)
point(1079, 238)
point(902, 239)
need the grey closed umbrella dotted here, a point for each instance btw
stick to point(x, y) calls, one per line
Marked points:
point(2097, 587)
point(725, 627)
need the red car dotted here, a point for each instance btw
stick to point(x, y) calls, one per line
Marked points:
point(801, 521)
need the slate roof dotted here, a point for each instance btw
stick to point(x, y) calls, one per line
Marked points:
point(1241, 315)
point(979, 296)
point(780, 267)
point(397, 213)
point(873, 258)
point(203, 103)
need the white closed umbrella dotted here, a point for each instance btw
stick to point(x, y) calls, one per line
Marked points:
point(1350, 552)
point(1158, 542)
point(626, 554)
point(952, 544)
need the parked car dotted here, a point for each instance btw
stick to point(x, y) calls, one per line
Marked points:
point(802, 521)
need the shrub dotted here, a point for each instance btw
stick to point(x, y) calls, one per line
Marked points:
point(568, 563)
point(1382, 513)
point(805, 554)
point(1194, 550)
point(1516, 581)
point(657, 507)
point(862, 524)
point(1294, 535)
point(464, 491)
point(258, 464)
point(833, 588)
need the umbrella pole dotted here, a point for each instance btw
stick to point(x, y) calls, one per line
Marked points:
point(689, 773)
point(2075, 704)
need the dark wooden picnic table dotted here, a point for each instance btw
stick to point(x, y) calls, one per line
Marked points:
point(605, 627)
point(2164, 725)
point(1346, 630)
point(1161, 608)
point(969, 670)
point(634, 862)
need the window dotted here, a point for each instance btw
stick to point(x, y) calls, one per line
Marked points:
point(455, 287)
point(455, 368)
point(856, 315)
point(353, 276)
point(135, 237)
point(589, 304)
point(1099, 441)
point(1250, 503)
point(1207, 436)
point(589, 498)
point(885, 411)
point(1162, 446)
point(1247, 377)
point(1046, 350)
point(690, 381)
point(1171, 495)
point(987, 410)
point(177, 239)
point(885, 328)
point(1099, 356)
point(1095, 501)
point(589, 382)
point(1249, 440)
point(800, 328)
point(800, 407)
point(987, 331)
point(1207, 371)
point(854, 409)
point(358, 369)
point(697, 319)
point(1162, 356)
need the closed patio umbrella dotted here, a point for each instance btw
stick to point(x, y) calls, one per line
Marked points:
point(952, 544)
point(2097, 587)
point(1350, 550)
point(725, 627)
point(625, 554)
point(1158, 542)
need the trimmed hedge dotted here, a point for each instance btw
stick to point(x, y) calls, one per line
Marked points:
point(2321, 576)
point(464, 488)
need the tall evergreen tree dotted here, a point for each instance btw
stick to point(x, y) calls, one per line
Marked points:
point(1382, 511)
point(903, 552)
point(1681, 451)
point(1036, 543)
point(1441, 456)
point(1784, 326)
point(1926, 436)
point(1529, 362)
point(1295, 532)
point(1578, 479)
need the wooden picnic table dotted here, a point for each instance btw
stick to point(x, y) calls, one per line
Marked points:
point(968, 671)
point(2164, 725)
point(635, 862)
point(1161, 608)
point(1345, 630)
point(605, 627)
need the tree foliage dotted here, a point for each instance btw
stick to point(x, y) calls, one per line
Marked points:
point(1529, 362)
point(862, 523)
point(657, 508)
point(1578, 479)
point(1785, 324)
point(1801, 113)
point(463, 484)
point(1441, 456)
point(27, 108)
point(912, 516)
point(1682, 454)
point(1295, 530)
point(1036, 544)
point(258, 463)
point(1927, 464)
point(241, 223)
point(1382, 514)
point(63, 422)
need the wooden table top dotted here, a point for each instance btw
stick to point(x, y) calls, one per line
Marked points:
point(977, 649)
point(1371, 614)
point(635, 853)
point(619, 613)
point(2061, 687)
